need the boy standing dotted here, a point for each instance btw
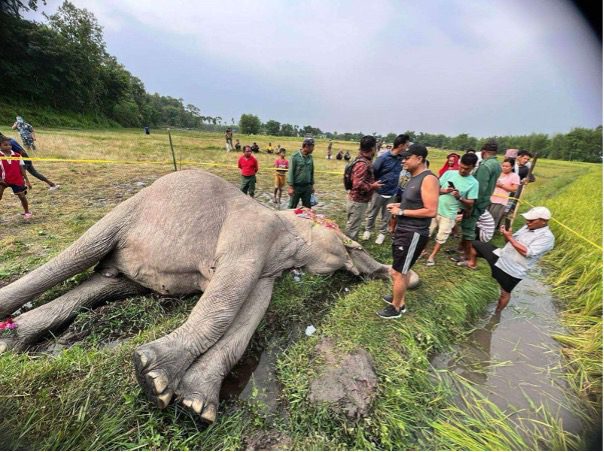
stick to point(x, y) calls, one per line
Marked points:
point(249, 167)
point(13, 175)
point(281, 167)
point(28, 135)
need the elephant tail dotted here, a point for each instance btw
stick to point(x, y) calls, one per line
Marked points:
point(90, 248)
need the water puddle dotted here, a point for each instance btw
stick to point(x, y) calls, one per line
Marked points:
point(512, 359)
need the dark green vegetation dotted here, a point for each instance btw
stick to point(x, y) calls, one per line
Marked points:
point(86, 396)
point(54, 72)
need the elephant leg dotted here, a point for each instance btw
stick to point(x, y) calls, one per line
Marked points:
point(161, 364)
point(200, 386)
point(51, 316)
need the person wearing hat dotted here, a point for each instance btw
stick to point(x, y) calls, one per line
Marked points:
point(28, 135)
point(301, 175)
point(415, 212)
point(510, 264)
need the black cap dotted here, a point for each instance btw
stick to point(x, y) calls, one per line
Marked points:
point(415, 149)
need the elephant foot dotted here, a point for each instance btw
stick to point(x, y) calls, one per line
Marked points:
point(199, 391)
point(159, 366)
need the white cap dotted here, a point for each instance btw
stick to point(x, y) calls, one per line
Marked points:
point(538, 212)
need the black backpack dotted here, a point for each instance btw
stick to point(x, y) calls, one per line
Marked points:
point(348, 174)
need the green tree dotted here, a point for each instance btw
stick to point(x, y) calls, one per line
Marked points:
point(272, 127)
point(249, 124)
point(287, 130)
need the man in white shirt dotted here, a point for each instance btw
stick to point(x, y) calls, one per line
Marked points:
point(510, 264)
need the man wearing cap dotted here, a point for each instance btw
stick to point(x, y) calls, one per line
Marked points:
point(418, 206)
point(510, 264)
point(301, 175)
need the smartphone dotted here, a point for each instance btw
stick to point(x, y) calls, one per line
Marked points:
point(451, 185)
point(507, 222)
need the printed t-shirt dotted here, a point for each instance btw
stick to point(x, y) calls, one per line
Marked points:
point(11, 170)
point(281, 166)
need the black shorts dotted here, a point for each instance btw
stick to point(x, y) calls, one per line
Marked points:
point(485, 250)
point(18, 188)
point(406, 248)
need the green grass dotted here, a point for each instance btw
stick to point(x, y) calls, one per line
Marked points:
point(87, 397)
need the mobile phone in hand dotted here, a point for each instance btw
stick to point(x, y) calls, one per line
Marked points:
point(451, 185)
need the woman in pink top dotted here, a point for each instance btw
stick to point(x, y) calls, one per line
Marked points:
point(507, 183)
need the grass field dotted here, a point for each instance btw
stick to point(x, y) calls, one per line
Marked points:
point(86, 396)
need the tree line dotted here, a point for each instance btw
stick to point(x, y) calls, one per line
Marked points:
point(581, 144)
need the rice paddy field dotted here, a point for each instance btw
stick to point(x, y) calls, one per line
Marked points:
point(85, 396)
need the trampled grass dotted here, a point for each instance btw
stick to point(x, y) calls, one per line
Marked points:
point(87, 397)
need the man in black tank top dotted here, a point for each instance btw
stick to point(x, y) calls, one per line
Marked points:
point(415, 212)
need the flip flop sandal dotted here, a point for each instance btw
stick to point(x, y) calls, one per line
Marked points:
point(465, 264)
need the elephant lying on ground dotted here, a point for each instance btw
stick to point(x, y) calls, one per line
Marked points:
point(189, 232)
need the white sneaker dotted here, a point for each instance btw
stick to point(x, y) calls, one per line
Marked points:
point(366, 235)
point(54, 187)
point(380, 239)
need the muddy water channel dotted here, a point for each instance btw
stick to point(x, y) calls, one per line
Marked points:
point(512, 359)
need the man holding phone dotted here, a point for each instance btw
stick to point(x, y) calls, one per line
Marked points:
point(458, 191)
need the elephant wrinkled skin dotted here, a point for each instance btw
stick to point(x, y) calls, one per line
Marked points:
point(189, 232)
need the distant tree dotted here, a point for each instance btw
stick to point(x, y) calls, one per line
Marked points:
point(249, 124)
point(287, 130)
point(272, 127)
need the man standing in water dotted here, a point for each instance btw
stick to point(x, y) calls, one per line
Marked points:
point(510, 264)
point(417, 208)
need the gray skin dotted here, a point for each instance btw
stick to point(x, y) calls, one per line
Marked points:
point(189, 232)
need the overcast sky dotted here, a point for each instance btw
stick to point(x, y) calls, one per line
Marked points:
point(485, 67)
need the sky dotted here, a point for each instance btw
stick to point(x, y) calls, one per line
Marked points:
point(487, 68)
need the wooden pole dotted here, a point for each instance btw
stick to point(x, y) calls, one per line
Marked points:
point(172, 147)
point(510, 219)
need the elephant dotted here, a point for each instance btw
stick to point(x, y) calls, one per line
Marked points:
point(188, 232)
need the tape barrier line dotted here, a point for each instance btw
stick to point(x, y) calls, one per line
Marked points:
point(521, 201)
point(135, 162)
point(190, 162)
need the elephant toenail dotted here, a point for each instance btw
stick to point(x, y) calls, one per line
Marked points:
point(159, 382)
point(164, 400)
point(3, 346)
point(187, 403)
point(142, 359)
point(197, 405)
point(209, 414)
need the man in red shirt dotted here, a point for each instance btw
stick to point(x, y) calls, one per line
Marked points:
point(249, 167)
point(363, 186)
point(12, 174)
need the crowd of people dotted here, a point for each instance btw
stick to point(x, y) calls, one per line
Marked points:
point(13, 173)
point(468, 198)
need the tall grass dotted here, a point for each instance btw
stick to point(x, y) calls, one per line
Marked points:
point(576, 277)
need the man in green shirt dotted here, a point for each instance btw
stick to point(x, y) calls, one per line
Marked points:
point(487, 174)
point(301, 175)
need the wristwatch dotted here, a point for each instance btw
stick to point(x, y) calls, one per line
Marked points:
point(400, 212)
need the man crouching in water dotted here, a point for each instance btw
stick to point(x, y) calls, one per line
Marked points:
point(417, 208)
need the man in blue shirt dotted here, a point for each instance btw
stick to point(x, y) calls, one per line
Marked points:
point(510, 264)
point(387, 169)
